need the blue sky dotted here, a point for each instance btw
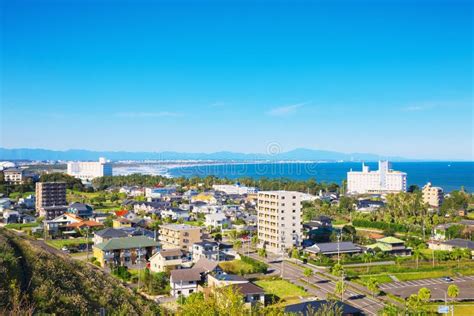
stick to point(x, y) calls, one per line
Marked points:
point(388, 77)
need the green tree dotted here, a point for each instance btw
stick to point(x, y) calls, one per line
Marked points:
point(424, 294)
point(262, 252)
point(453, 291)
point(308, 272)
point(295, 254)
point(337, 269)
point(367, 258)
point(254, 240)
point(373, 286)
point(340, 289)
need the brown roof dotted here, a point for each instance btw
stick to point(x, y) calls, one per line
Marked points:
point(205, 265)
point(185, 275)
point(171, 252)
point(247, 288)
point(85, 223)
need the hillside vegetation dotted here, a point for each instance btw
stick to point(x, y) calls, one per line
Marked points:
point(35, 280)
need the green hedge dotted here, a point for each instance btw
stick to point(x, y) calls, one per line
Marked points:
point(380, 225)
point(259, 267)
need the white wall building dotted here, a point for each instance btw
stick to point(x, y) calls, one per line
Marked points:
point(217, 220)
point(384, 180)
point(279, 219)
point(88, 170)
point(234, 189)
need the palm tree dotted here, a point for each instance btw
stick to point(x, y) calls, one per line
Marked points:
point(367, 258)
point(417, 254)
point(340, 289)
point(453, 291)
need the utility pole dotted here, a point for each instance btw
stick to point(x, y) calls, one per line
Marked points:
point(338, 249)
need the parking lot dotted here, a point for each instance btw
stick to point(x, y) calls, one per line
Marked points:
point(437, 286)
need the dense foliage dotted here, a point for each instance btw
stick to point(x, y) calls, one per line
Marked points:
point(59, 285)
point(310, 185)
point(71, 182)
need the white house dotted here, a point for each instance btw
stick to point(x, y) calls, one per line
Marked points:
point(184, 281)
point(166, 260)
point(217, 220)
point(206, 249)
point(175, 214)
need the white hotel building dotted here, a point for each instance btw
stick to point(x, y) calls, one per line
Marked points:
point(279, 219)
point(384, 180)
point(88, 170)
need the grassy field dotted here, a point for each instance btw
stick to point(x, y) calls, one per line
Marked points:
point(236, 267)
point(59, 243)
point(21, 226)
point(283, 289)
point(461, 309)
point(424, 272)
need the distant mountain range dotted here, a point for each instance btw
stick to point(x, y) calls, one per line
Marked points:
point(79, 154)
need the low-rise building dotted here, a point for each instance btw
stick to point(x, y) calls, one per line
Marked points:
point(175, 214)
point(179, 236)
point(252, 294)
point(206, 249)
point(391, 245)
point(224, 279)
point(166, 260)
point(217, 220)
point(313, 307)
point(450, 245)
point(13, 175)
point(80, 209)
point(108, 233)
point(334, 248)
point(206, 197)
point(125, 251)
point(184, 282)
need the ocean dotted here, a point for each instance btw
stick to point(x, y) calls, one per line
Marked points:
point(448, 175)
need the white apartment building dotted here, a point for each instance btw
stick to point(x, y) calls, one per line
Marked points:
point(88, 170)
point(234, 189)
point(384, 180)
point(279, 219)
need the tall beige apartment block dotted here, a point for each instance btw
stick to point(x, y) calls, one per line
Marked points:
point(279, 220)
point(180, 236)
point(51, 199)
point(433, 196)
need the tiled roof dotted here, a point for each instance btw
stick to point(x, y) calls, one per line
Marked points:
point(127, 243)
point(390, 240)
point(205, 265)
point(111, 233)
point(121, 213)
point(247, 288)
point(185, 275)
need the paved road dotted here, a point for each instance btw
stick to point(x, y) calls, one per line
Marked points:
point(437, 286)
point(322, 285)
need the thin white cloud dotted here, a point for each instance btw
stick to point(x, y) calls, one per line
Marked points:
point(147, 114)
point(414, 108)
point(218, 104)
point(286, 110)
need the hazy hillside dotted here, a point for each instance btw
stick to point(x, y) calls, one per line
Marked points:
point(78, 154)
point(36, 281)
